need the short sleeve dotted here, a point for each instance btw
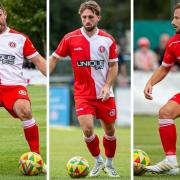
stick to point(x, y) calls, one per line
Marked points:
point(62, 49)
point(29, 51)
point(113, 57)
point(169, 58)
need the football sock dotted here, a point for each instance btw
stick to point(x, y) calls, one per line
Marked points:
point(109, 162)
point(99, 158)
point(31, 133)
point(109, 143)
point(92, 143)
point(172, 159)
point(167, 131)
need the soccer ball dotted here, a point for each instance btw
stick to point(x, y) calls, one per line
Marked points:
point(30, 164)
point(140, 158)
point(77, 167)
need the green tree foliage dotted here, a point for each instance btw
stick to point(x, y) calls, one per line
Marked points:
point(64, 17)
point(28, 17)
point(152, 9)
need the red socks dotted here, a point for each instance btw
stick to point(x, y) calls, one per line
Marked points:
point(109, 143)
point(167, 131)
point(31, 133)
point(93, 145)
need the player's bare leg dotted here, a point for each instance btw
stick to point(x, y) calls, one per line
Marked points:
point(109, 142)
point(22, 108)
point(92, 141)
point(167, 129)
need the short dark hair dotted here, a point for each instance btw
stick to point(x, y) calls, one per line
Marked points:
point(177, 6)
point(92, 5)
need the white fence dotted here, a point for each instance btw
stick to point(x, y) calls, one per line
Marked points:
point(162, 92)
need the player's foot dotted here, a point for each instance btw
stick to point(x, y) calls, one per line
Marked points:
point(44, 170)
point(164, 167)
point(110, 170)
point(97, 169)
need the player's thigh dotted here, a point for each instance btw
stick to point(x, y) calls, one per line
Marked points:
point(170, 110)
point(86, 121)
point(11, 95)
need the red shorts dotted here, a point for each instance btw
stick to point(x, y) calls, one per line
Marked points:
point(9, 95)
point(176, 98)
point(102, 110)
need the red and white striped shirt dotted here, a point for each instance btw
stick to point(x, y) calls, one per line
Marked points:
point(90, 57)
point(172, 53)
point(14, 47)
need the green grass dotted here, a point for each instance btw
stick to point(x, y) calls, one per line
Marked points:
point(12, 141)
point(68, 142)
point(146, 137)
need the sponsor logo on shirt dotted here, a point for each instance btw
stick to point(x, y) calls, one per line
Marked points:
point(7, 59)
point(97, 64)
point(78, 49)
point(12, 44)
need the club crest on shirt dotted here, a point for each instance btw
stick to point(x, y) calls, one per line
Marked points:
point(22, 92)
point(12, 44)
point(112, 112)
point(101, 49)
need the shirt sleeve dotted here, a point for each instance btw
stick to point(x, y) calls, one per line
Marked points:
point(29, 51)
point(62, 49)
point(113, 57)
point(169, 58)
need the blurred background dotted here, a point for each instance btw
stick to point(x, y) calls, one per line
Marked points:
point(115, 20)
point(152, 30)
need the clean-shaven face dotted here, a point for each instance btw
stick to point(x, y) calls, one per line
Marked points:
point(176, 20)
point(89, 20)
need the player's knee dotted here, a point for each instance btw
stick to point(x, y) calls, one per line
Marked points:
point(25, 113)
point(110, 132)
point(166, 113)
point(88, 132)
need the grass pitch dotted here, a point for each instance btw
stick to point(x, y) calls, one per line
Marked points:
point(12, 141)
point(146, 137)
point(68, 142)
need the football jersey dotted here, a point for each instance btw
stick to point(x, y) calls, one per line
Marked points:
point(172, 53)
point(90, 57)
point(14, 47)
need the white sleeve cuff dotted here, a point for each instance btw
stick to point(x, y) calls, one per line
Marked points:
point(32, 55)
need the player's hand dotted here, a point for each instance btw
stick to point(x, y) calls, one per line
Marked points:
point(105, 93)
point(148, 91)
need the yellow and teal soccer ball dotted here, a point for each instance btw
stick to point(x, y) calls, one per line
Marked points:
point(77, 167)
point(30, 164)
point(141, 159)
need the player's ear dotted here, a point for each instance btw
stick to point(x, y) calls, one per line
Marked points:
point(99, 18)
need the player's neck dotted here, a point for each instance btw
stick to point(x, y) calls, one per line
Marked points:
point(4, 28)
point(90, 33)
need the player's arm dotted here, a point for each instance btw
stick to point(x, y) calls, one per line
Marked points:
point(40, 62)
point(111, 76)
point(157, 76)
point(52, 63)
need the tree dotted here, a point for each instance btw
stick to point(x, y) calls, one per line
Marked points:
point(28, 17)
